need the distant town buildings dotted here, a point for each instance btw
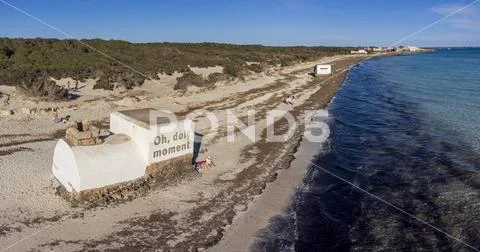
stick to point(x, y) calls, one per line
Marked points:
point(360, 51)
point(367, 50)
point(413, 48)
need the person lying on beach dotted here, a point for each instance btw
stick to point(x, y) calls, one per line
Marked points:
point(204, 164)
point(65, 119)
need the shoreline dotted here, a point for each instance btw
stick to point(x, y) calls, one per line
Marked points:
point(193, 214)
point(241, 234)
point(275, 201)
point(315, 231)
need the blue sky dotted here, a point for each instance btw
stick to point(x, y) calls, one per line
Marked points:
point(279, 22)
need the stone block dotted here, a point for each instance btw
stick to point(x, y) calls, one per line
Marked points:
point(5, 113)
point(83, 134)
point(25, 111)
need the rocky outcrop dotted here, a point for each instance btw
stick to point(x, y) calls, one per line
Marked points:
point(5, 113)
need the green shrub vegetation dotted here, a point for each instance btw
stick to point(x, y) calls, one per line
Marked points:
point(23, 62)
point(216, 77)
point(189, 78)
point(257, 68)
point(232, 69)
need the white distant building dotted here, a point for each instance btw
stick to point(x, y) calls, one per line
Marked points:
point(322, 70)
point(413, 49)
point(140, 138)
point(361, 51)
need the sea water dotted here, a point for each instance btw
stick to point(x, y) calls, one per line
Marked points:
point(405, 129)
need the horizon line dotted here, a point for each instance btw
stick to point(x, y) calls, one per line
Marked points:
point(227, 43)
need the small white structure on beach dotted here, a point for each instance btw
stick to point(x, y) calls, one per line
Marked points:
point(322, 70)
point(361, 51)
point(141, 137)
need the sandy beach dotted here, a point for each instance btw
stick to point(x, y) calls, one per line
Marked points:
point(219, 210)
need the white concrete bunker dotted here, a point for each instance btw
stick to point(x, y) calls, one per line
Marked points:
point(322, 70)
point(139, 138)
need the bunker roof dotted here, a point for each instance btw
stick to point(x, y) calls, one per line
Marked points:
point(141, 117)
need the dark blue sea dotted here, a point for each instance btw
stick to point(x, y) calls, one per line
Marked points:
point(407, 130)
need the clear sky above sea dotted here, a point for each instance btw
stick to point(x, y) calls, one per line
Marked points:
point(273, 22)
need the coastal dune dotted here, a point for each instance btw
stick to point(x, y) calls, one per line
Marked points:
point(252, 182)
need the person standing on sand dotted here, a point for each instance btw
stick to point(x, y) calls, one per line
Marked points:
point(55, 115)
point(6, 102)
point(290, 100)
